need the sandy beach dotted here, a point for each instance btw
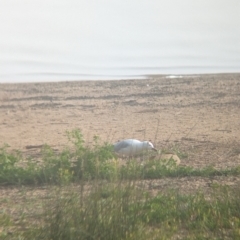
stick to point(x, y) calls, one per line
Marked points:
point(198, 115)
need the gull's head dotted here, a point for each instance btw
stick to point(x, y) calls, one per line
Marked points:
point(150, 146)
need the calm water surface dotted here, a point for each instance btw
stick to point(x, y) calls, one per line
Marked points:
point(55, 40)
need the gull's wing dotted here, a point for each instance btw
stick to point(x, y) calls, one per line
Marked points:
point(120, 145)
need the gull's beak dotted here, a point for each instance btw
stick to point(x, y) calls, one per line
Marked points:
point(154, 149)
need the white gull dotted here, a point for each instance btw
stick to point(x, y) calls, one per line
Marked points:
point(132, 147)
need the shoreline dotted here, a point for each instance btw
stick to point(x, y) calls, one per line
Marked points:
point(127, 78)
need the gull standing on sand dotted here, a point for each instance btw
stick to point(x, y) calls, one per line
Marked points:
point(132, 147)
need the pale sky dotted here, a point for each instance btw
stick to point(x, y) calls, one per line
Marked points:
point(62, 36)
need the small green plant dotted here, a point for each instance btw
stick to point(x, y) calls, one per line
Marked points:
point(10, 172)
point(8, 161)
point(91, 163)
point(56, 168)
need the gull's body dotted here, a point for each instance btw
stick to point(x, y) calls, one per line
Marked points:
point(132, 147)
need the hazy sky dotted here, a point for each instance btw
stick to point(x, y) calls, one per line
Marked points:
point(63, 36)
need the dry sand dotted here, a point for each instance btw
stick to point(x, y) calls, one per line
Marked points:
point(198, 115)
point(195, 115)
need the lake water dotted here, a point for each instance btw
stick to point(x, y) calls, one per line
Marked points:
point(56, 40)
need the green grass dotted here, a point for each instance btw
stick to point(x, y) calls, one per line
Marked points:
point(85, 163)
point(122, 211)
